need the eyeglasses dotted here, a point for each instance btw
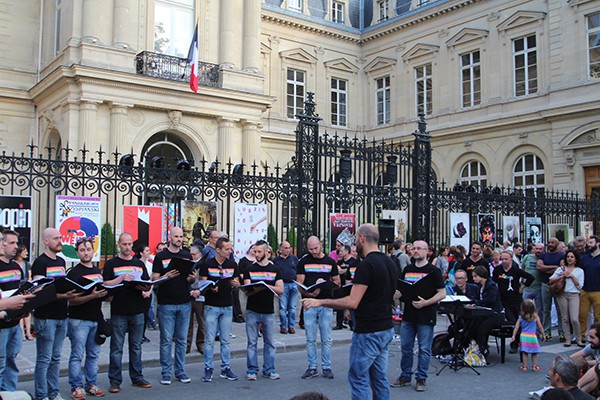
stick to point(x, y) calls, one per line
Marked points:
point(420, 248)
point(460, 277)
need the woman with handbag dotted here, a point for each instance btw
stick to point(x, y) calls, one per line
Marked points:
point(566, 283)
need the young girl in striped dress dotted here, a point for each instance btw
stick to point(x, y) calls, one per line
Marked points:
point(529, 322)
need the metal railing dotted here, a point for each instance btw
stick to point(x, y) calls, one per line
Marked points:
point(172, 68)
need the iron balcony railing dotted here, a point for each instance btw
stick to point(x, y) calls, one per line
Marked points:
point(173, 68)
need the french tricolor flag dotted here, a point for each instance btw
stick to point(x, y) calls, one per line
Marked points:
point(192, 59)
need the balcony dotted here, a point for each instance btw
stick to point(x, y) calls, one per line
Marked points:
point(172, 68)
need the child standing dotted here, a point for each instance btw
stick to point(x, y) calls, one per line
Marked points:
point(528, 322)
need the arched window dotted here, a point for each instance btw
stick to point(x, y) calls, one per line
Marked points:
point(473, 173)
point(168, 146)
point(528, 174)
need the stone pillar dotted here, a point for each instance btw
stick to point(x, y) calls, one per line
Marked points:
point(125, 19)
point(230, 46)
point(97, 21)
point(118, 119)
point(250, 142)
point(226, 135)
point(87, 124)
point(251, 62)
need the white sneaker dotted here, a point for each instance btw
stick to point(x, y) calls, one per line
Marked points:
point(537, 395)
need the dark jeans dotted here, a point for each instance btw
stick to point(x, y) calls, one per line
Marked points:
point(484, 327)
point(134, 326)
point(198, 312)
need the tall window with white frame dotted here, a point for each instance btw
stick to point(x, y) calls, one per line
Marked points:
point(528, 175)
point(57, 23)
point(383, 100)
point(593, 33)
point(339, 102)
point(295, 92)
point(423, 89)
point(295, 5)
point(525, 65)
point(382, 10)
point(337, 12)
point(470, 75)
point(473, 173)
point(173, 26)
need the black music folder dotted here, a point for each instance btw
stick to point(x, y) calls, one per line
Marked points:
point(411, 291)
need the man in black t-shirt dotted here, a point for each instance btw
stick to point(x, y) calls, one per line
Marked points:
point(11, 337)
point(51, 319)
point(313, 268)
point(218, 307)
point(260, 310)
point(345, 263)
point(372, 296)
point(419, 316)
point(126, 313)
point(84, 313)
point(475, 258)
point(174, 308)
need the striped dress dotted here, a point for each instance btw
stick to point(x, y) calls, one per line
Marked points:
point(529, 341)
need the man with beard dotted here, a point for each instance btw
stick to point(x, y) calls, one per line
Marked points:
point(84, 314)
point(51, 319)
point(474, 259)
point(419, 317)
point(260, 310)
point(11, 337)
point(590, 381)
point(590, 293)
point(547, 264)
point(127, 314)
point(372, 297)
point(313, 268)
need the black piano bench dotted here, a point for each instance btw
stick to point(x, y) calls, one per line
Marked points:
point(502, 332)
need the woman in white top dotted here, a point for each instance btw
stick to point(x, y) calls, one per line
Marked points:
point(568, 301)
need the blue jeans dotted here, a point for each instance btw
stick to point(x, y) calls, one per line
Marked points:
point(268, 326)
point(320, 317)
point(287, 305)
point(82, 334)
point(121, 324)
point(217, 318)
point(11, 341)
point(173, 320)
point(424, 334)
point(547, 310)
point(367, 371)
point(151, 316)
point(49, 337)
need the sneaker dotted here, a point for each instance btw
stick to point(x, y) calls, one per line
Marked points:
point(562, 338)
point(165, 380)
point(114, 387)
point(291, 331)
point(183, 378)
point(273, 376)
point(420, 385)
point(547, 337)
point(94, 390)
point(208, 375)
point(227, 374)
point(78, 393)
point(401, 381)
point(57, 397)
point(310, 373)
point(142, 383)
point(251, 376)
point(327, 373)
point(537, 394)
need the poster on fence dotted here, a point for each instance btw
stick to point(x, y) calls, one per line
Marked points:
point(586, 228)
point(76, 218)
point(145, 224)
point(250, 226)
point(559, 231)
point(511, 228)
point(197, 219)
point(168, 215)
point(460, 226)
point(342, 227)
point(16, 215)
point(400, 222)
point(487, 228)
point(533, 229)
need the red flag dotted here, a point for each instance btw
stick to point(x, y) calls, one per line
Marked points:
point(193, 61)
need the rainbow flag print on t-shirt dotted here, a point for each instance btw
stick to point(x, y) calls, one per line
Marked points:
point(352, 272)
point(55, 272)
point(318, 268)
point(412, 277)
point(220, 272)
point(10, 276)
point(264, 276)
point(166, 262)
point(94, 277)
point(131, 270)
